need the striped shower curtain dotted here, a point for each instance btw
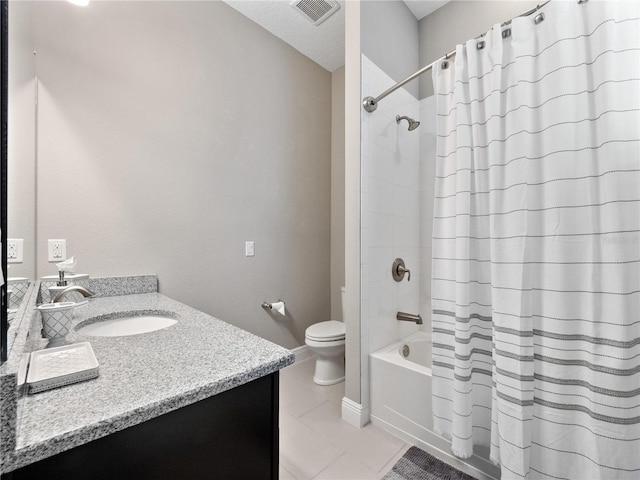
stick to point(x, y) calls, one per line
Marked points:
point(536, 244)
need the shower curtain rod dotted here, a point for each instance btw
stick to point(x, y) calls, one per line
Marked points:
point(370, 103)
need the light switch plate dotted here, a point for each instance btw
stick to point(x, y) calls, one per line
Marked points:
point(249, 249)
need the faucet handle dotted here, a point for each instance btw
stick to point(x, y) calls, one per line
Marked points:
point(399, 269)
point(402, 270)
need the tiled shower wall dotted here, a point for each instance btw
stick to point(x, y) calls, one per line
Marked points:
point(427, 187)
point(390, 216)
point(398, 169)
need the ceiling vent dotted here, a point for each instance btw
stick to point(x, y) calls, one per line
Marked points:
point(316, 11)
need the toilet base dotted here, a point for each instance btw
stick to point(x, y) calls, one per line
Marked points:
point(329, 371)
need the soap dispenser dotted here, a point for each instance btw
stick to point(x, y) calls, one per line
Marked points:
point(60, 285)
point(66, 278)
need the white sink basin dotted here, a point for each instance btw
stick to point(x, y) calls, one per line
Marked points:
point(122, 324)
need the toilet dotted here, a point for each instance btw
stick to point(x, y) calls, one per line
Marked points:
point(326, 340)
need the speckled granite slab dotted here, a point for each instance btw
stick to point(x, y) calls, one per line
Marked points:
point(108, 286)
point(17, 339)
point(116, 286)
point(141, 376)
point(20, 322)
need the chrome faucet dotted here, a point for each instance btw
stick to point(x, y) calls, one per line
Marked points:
point(409, 317)
point(73, 288)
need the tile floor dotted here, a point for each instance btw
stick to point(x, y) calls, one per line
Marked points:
point(315, 443)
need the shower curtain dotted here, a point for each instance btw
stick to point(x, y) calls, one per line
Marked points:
point(536, 244)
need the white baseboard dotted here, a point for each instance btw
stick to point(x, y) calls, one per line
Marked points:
point(302, 353)
point(354, 413)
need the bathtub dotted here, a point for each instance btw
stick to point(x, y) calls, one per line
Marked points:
point(401, 402)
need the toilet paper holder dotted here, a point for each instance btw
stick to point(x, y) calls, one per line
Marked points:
point(269, 306)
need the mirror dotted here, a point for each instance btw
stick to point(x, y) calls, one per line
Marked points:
point(3, 176)
point(168, 135)
point(20, 161)
point(21, 140)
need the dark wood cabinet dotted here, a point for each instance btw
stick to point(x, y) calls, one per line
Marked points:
point(232, 435)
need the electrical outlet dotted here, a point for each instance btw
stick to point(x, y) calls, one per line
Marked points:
point(57, 250)
point(15, 249)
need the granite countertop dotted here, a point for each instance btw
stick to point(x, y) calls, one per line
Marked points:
point(141, 376)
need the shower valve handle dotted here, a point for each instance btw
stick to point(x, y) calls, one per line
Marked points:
point(402, 270)
point(399, 269)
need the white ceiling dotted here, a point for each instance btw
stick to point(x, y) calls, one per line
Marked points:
point(324, 44)
point(422, 8)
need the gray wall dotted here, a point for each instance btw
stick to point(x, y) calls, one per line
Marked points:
point(172, 132)
point(459, 21)
point(21, 196)
point(390, 40)
point(337, 191)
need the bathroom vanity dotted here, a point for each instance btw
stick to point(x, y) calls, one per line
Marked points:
point(198, 399)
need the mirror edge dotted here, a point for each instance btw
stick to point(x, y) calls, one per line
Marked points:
point(4, 53)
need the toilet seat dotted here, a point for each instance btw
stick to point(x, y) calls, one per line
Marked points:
point(329, 331)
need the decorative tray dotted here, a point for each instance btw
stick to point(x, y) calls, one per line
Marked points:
point(59, 366)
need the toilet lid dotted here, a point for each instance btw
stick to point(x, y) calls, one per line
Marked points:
point(326, 331)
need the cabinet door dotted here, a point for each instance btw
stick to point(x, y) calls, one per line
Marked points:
point(232, 435)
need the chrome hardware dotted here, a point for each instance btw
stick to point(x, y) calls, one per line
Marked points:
point(268, 305)
point(73, 288)
point(413, 124)
point(370, 104)
point(539, 18)
point(480, 45)
point(398, 270)
point(409, 317)
point(405, 351)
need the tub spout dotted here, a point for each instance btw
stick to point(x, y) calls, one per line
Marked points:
point(409, 317)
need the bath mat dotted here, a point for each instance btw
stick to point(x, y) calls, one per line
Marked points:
point(417, 464)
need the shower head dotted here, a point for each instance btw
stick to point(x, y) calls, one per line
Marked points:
point(413, 124)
